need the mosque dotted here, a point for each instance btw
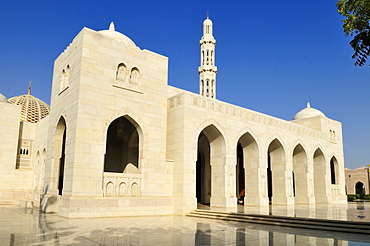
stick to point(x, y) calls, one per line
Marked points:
point(117, 140)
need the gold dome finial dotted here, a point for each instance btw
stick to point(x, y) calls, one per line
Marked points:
point(29, 88)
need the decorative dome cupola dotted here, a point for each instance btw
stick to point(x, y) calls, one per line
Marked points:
point(308, 112)
point(33, 109)
point(112, 33)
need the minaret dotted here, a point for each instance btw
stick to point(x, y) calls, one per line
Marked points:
point(207, 69)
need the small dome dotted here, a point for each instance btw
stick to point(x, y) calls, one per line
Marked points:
point(33, 109)
point(308, 113)
point(111, 33)
point(3, 99)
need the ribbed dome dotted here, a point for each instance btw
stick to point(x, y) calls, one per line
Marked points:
point(116, 35)
point(308, 113)
point(33, 109)
point(3, 99)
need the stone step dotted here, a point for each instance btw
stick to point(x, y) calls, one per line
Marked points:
point(308, 223)
point(7, 202)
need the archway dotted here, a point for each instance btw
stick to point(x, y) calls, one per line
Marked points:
point(334, 170)
point(247, 177)
point(240, 173)
point(300, 172)
point(360, 189)
point(210, 172)
point(320, 184)
point(203, 178)
point(276, 167)
point(59, 151)
point(122, 146)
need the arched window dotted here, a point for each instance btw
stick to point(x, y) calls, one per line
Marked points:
point(135, 76)
point(334, 171)
point(122, 147)
point(202, 87)
point(121, 73)
point(62, 79)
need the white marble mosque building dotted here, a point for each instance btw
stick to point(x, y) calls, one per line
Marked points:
point(119, 141)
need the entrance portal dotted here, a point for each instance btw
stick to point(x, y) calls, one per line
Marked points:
point(360, 189)
point(240, 173)
point(203, 178)
point(59, 150)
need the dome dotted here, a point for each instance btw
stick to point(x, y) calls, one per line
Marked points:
point(111, 33)
point(3, 99)
point(308, 113)
point(33, 109)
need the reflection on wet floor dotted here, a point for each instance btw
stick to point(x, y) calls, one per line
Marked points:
point(29, 227)
point(353, 211)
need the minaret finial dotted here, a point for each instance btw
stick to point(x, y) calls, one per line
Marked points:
point(308, 105)
point(29, 88)
point(207, 15)
point(111, 26)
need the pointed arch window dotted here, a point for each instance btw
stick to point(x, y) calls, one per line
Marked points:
point(64, 79)
point(121, 73)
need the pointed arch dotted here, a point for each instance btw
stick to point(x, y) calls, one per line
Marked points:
point(121, 73)
point(210, 173)
point(320, 184)
point(135, 76)
point(122, 146)
point(247, 163)
point(58, 155)
point(300, 175)
point(334, 170)
point(109, 189)
point(360, 189)
point(122, 189)
point(276, 174)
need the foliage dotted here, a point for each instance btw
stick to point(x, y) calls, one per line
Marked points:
point(357, 24)
point(366, 197)
point(351, 197)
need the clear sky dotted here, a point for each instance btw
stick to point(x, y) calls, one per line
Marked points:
point(272, 56)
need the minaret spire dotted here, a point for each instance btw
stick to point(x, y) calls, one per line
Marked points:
point(207, 69)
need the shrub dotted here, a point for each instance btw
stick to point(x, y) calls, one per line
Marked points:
point(351, 197)
point(366, 197)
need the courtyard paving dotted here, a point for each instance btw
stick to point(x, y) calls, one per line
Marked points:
point(21, 226)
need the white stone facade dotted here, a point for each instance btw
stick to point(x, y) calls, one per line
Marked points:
point(120, 141)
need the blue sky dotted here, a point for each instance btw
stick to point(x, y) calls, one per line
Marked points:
point(272, 56)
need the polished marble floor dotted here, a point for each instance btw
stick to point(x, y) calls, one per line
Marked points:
point(20, 226)
point(353, 211)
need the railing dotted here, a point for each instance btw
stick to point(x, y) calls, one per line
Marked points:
point(121, 184)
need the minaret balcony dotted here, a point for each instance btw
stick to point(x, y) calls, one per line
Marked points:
point(207, 68)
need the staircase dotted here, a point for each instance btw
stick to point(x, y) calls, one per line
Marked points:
point(307, 223)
